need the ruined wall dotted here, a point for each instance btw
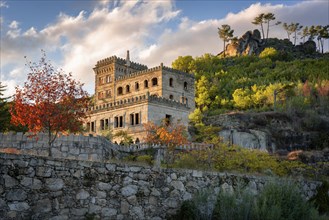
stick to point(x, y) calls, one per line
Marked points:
point(34, 187)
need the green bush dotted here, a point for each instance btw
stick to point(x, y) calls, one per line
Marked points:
point(321, 199)
point(145, 159)
point(282, 200)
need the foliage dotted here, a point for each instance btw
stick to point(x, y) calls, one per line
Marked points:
point(4, 110)
point(262, 19)
point(234, 205)
point(148, 159)
point(233, 158)
point(282, 200)
point(170, 135)
point(321, 199)
point(124, 137)
point(182, 63)
point(187, 211)
point(50, 101)
point(268, 52)
point(225, 33)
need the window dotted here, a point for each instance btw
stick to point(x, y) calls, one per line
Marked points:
point(137, 141)
point(108, 79)
point(171, 82)
point(108, 93)
point(121, 121)
point(132, 119)
point(106, 124)
point(136, 86)
point(88, 126)
point(120, 91)
point(185, 85)
point(116, 122)
point(171, 97)
point(102, 124)
point(168, 120)
point(146, 84)
point(100, 81)
point(127, 88)
point(154, 81)
point(93, 126)
point(137, 119)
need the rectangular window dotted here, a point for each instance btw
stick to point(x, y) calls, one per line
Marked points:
point(116, 122)
point(137, 118)
point(168, 119)
point(108, 93)
point(93, 126)
point(121, 121)
point(132, 119)
point(102, 125)
point(88, 126)
point(106, 124)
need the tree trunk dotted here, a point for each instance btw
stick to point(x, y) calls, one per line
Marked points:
point(268, 29)
point(261, 25)
point(224, 48)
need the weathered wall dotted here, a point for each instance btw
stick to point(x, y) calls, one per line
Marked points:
point(39, 188)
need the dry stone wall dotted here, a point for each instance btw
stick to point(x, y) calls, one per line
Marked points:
point(33, 187)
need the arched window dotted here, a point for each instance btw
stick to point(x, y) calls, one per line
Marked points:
point(154, 81)
point(136, 86)
point(171, 97)
point(185, 85)
point(120, 90)
point(171, 82)
point(146, 84)
point(127, 88)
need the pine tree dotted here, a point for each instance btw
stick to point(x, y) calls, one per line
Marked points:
point(225, 33)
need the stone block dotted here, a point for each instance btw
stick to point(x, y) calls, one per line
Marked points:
point(124, 207)
point(18, 206)
point(104, 186)
point(16, 195)
point(79, 211)
point(83, 157)
point(178, 185)
point(101, 194)
point(197, 173)
point(94, 208)
point(54, 184)
point(10, 181)
point(44, 171)
point(108, 212)
point(82, 194)
point(42, 206)
point(129, 190)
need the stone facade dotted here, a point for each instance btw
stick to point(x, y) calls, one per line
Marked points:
point(128, 94)
point(33, 187)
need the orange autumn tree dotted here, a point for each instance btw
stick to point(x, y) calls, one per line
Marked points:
point(50, 101)
point(167, 134)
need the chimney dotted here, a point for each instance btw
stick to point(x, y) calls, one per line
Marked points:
point(127, 59)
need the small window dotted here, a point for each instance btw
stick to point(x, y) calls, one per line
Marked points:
point(185, 85)
point(154, 81)
point(146, 84)
point(127, 88)
point(168, 120)
point(136, 86)
point(120, 91)
point(93, 126)
point(102, 125)
point(108, 79)
point(88, 126)
point(171, 82)
point(171, 97)
point(121, 121)
point(137, 141)
point(137, 119)
point(106, 124)
point(116, 122)
point(132, 119)
point(108, 93)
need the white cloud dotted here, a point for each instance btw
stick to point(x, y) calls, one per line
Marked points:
point(196, 38)
point(3, 4)
point(112, 29)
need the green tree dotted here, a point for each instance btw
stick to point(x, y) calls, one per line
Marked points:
point(202, 98)
point(4, 110)
point(304, 33)
point(292, 28)
point(225, 33)
point(259, 20)
point(322, 34)
point(267, 19)
point(183, 63)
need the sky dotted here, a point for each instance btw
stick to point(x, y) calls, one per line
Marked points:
point(75, 34)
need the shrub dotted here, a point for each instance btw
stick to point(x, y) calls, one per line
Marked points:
point(268, 52)
point(282, 200)
point(145, 159)
point(321, 199)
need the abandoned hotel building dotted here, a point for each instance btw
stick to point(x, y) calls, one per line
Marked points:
point(128, 94)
